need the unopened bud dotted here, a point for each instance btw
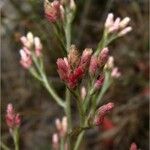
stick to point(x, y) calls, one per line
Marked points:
point(58, 124)
point(38, 46)
point(72, 5)
point(125, 31)
point(73, 56)
point(55, 141)
point(98, 84)
point(110, 63)
point(109, 20)
point(86, 57)
point(103, 56)
point(115, 73)
point(102, 112)
point(124, 22)
point(83, 92)
point(30, 37)
point(93, 65)
point(64, 125)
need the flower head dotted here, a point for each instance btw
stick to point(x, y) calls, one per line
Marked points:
point(117, 26)
point(52, 10)
point(71, 72)
point(31, 45)
point(12, 118)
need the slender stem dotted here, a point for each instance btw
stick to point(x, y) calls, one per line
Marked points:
point(3, 146)
point(68, 94)
point(68, 34)
point(62, 144)
point(16, 138)
point(46, 83)
point(51, 91)
point(79, 139)
point(81, 112)
point(68, 109)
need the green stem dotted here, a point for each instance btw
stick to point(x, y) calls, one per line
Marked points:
point(16, 138)
point(68, 34)
point(51, 91)
point(46, 83)
point(79, 139)
point(68, 109)
point(3, 146)
point(62, 143)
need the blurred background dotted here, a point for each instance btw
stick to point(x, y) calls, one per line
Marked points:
point(130, 118)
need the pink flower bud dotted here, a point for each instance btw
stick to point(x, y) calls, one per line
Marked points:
point(99, 82)
point(93, 65)
point(125, 31)
point(103, 56)
point(133, 147)
point(115, 26)
point(25, 42)
point(55, 141)
point(115, 73)
point(72, 5)
point(64, 126)
point(109, 20)
point(85, 58)
point(63, 68)
point(52, 10)
point(83, 92)
point(124, 22)
point(12, 119)
point(110, 63)
point(102, 112)
point(38, 46)
point(30, 38)
point(58, 124)
point(25, 61)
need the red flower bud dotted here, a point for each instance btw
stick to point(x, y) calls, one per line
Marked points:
point(102, 112)
point(85, 58)
point(93, 65)
point(99, 82)
point(63, 68)
point(103, 56)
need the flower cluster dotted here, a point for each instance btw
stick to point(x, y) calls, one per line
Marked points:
point(53, 10)
point(61, 127)
point(31, 45)
point(117, 26)
point(102, 112)
point(12, 118)
point(72, 69)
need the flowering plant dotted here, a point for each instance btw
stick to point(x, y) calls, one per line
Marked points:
point(87, 76)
